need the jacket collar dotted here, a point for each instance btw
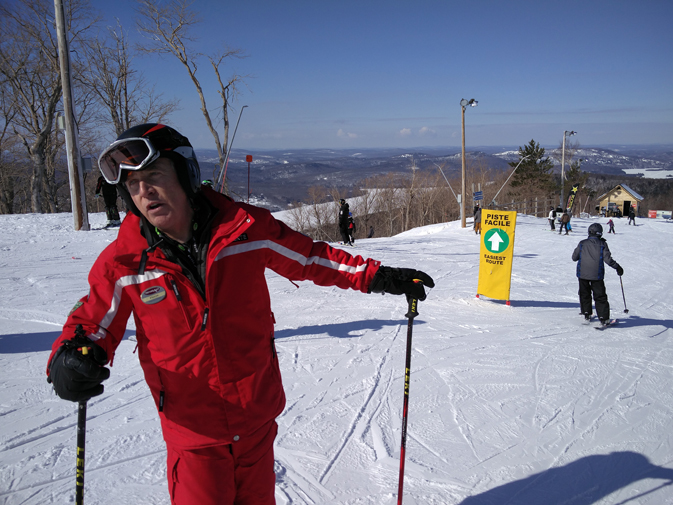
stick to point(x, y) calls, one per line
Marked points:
point(228, 222)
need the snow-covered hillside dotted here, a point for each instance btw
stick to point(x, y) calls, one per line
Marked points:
point(515, 404)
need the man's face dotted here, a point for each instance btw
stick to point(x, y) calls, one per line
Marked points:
point(159, 196)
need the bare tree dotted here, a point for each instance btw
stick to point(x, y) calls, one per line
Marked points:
point(30, 68)
point(125, 96)
point(168, 28)
point(7, 144)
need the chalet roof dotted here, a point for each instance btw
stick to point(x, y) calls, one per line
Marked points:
point(630, 191)
point(625, 188)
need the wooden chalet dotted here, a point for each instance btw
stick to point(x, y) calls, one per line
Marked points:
point(618, 200)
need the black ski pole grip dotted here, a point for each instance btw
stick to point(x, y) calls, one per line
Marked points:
point(413, 308)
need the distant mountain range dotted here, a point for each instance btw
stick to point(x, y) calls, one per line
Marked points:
point(279, 177)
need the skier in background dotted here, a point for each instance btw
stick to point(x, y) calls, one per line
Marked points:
point(351, 229)
point(343, 220)
point(477, 220)
point(552, 218)
point(611, 226)
point(590, 255)
point(565, 219)
point(632, 216)
point(109, 192)
point(205, 342)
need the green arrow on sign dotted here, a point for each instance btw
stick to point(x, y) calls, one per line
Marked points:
point(496, 240)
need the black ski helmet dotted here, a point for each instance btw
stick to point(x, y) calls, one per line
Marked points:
point(596, 230)
point(169, 143)
point(342, 201)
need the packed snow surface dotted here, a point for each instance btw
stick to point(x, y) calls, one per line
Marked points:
point(509, 404)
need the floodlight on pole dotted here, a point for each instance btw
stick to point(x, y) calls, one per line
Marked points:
point(464, 103)
point(563, 161)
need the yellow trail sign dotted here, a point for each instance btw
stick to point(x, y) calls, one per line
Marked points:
point(495, 253)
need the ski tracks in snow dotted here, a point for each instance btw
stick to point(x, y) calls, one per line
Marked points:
point(359, 401)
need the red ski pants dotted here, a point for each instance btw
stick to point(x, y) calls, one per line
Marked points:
point(240, 473)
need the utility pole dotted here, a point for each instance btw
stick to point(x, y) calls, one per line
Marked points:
point(77, 195)
point(563, 162)
point(462, 186)
point(464, 103)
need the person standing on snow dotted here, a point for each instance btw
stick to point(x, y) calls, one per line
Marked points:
point(109, 192)
point(189, 264)
point(590, 254)
point(552, 218)
point(611, 227)
point(343, 220)
point(565, 219)
point(477, 220)
point(632, 216)
point(351, 229)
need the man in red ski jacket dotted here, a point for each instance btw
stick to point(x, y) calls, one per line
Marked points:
point(189, 264)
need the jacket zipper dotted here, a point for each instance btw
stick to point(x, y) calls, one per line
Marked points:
point(205, 319)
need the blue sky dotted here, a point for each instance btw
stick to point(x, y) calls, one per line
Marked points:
point(358, 74)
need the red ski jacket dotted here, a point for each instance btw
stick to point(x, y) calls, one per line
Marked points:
point(210, 363)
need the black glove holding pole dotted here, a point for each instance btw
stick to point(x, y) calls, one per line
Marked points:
point(401, 281)
point(620, 270)
point(77, 369)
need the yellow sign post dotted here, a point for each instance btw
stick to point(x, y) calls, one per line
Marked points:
point(495, 254)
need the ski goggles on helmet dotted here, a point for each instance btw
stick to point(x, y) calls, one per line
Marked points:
point(126, 154)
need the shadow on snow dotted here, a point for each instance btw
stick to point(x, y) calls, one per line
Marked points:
point(343, 330)
point(34, 342)
point(583, 482)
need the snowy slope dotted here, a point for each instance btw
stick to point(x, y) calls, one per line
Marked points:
point(515, 404)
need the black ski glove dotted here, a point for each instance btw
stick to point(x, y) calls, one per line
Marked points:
point(401, 281)
point(620, 270)
point(77, 376)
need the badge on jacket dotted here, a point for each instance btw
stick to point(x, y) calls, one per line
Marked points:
point(153, 295)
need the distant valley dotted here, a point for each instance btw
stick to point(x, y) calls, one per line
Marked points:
point(279, 177)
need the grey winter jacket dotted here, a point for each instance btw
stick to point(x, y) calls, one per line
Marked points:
point(591, 253)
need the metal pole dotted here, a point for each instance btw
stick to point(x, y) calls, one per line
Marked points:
point(411, 314)
point(447, 181)
point(462, 198)
point(223, 170)
point(248, 182)
point(77, 193)
point(81, 443)
point(510, 176)
point(563, 161)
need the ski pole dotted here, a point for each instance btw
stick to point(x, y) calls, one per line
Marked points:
point(411, 314)
point(81, 435)
point(81, 441)
point(626, 311)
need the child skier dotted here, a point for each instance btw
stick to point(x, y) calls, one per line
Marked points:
point(590, 255)
point(611, 228)
point(351, 229)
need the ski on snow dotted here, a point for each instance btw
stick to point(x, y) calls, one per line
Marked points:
point(611, 322)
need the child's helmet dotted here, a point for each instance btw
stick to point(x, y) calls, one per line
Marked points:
point(595, 230)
